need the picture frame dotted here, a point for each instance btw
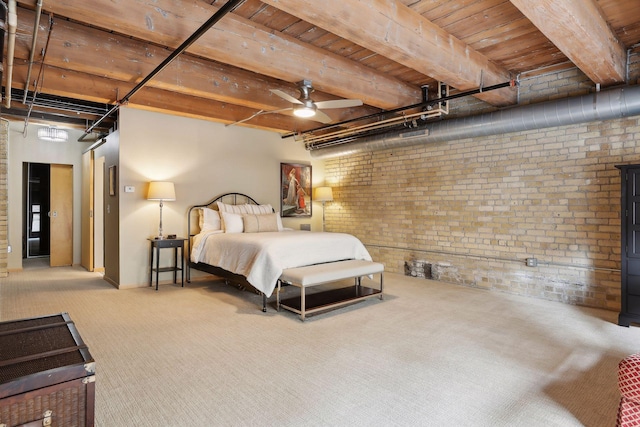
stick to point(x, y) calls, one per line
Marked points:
point(112, 180)
point(295, 190)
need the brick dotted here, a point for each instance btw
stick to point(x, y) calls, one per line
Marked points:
point(481, 206)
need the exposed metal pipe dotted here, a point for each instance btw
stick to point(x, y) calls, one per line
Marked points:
point(228, 7)
point(39, 79)
point(34, 39)
point(11, 46)
point(383, 115)
point(605, 105)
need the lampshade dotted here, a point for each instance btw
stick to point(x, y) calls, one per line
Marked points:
point(161, 190)
point(324, 194)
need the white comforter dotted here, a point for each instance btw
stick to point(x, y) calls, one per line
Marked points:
point(261, 257)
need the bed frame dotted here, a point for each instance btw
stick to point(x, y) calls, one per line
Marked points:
point(230, 278)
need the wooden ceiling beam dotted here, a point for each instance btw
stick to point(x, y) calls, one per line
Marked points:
point(69, 83)
point(579, 30)
point(394, 30)
point(239, 42)
point(76, 47)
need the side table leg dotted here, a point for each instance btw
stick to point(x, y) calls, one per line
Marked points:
point(157, 266)
point(151, 265)
point(182, 264)
point(175, 264)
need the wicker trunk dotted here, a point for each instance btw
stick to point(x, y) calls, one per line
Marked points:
point(47, 376)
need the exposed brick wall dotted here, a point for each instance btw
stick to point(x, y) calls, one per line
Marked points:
point(4, 197)
point(553, 85)
point(476, 209)
point(634, 65)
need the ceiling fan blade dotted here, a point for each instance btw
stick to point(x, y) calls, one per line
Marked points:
point(285, 96)
point(339, 103)
point(321, 117)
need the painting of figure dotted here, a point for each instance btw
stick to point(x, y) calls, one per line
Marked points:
point(295, 190)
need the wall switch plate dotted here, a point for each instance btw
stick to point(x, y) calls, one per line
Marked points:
point(129, 189)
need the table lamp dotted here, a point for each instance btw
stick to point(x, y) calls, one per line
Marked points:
point(162, 191)
point(324, 194)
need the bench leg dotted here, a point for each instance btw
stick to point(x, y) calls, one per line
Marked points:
point(381, 284)
point(278, 296)
point(303, 303)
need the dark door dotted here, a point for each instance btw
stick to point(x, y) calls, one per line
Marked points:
point(630, 250)
point(36, 242)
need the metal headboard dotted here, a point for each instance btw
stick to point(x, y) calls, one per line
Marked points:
point(228, 198)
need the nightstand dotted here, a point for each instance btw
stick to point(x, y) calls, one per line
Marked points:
point(156, 245)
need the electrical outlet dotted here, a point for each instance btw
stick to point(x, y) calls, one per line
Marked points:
point(532, 262)
point(9, 249)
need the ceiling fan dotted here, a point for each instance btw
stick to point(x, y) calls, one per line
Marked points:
point(305, 107)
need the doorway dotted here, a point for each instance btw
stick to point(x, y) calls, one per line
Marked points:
point(48, 213)
point(36, 242)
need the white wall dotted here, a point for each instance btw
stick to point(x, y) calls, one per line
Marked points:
point(203, 159)
point(27, 148)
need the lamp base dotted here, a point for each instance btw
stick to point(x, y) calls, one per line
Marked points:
point(159, 238)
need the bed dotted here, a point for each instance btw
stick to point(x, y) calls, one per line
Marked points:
point(234, 237)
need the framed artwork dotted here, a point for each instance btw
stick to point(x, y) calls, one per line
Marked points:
point(295, 190)
point(112, 180)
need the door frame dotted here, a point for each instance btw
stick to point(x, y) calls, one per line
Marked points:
point(88, 211)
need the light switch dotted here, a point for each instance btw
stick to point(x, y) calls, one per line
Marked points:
point(129, 189)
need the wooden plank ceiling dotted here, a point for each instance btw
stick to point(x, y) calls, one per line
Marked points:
point(379, 51)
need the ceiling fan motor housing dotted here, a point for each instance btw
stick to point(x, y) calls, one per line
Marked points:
point(305, 89)
point(307, 108)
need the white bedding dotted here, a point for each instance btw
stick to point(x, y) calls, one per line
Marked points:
point(261, 257)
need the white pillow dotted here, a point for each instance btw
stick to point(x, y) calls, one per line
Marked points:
point(260, 209)
point(245, 208)
point(238, 209)
point(232, 222)
point(223, 207)
point(279, 219)
point(209, 220)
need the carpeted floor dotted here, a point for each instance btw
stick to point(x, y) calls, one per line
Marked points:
point(430, 354)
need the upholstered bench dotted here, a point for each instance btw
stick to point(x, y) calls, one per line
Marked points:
point(318, 274)
point(629, 384)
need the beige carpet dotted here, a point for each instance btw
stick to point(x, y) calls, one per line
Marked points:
point(430, 354)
